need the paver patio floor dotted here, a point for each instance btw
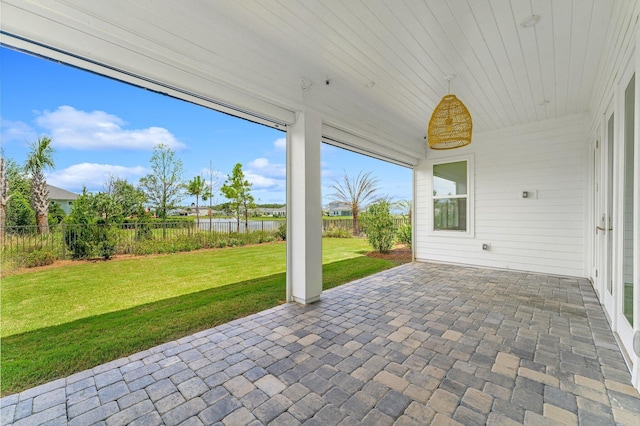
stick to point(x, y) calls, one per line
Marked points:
point(418, 344)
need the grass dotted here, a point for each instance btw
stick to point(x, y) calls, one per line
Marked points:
point(113, 309)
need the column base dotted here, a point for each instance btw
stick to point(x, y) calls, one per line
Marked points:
point(306, 301)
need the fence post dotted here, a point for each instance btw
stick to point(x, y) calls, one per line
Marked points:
point(64, 245)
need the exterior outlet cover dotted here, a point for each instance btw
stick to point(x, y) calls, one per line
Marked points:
point(486, 247)
point(525, 194)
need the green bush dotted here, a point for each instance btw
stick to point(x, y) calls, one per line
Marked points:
point(143, 227)
point(39, 257)
point(281, 233)
point(90, 241)
point(107, 242)
point(200, 240)
point(404, 234)
point(378, 224)
point(338, 232)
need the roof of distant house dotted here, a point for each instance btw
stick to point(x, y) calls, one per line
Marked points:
point(338, 205)
point(56, 193)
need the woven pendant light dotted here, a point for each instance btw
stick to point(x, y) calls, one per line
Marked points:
point(450, 125)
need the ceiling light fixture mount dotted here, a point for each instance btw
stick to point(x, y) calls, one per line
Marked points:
point(450, 125)
point(530, 21)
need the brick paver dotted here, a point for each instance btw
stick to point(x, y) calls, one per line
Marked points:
point(414, 345)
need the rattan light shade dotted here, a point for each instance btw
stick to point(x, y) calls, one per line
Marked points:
point(450, 125)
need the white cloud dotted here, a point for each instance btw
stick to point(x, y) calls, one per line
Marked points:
point(92, 175)
point(16, 131)
point(264, 167)
point(72, 128)
point(264, 174)
point(280, 143)
point(262, 182)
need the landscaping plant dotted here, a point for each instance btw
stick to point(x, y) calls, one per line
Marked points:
point(404, 234)
point(379, 227)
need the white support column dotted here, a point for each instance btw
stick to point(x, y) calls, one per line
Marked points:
point(304, 209)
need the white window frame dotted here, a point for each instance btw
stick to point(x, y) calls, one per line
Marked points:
point(470, 231)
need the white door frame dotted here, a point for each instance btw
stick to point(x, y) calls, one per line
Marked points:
point(622, 326)
point(604, 215)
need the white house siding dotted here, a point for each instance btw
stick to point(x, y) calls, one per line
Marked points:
point(545, 233)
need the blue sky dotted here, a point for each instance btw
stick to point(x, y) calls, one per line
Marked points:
point(103, 127)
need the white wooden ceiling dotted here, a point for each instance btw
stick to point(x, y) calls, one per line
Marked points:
point(255, 54)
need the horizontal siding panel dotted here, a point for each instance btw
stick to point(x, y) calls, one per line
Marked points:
point(543, 233)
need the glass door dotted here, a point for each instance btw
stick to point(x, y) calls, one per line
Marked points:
point(605, 227)
point(598, 250)
point(625, 282)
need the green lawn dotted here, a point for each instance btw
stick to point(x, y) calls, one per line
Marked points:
point(59, 321)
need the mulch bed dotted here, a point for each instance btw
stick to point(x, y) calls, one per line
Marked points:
point(400, 254)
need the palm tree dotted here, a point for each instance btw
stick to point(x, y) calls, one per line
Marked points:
point(356, 193)
point(39, 159)
point(198, 188)
point(405, 206)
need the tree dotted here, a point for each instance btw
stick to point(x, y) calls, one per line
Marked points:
point(20, 214)
point(85, 237)
point(128, 198)
point(4, 198)
point(406, 207)
point(56, 213)
point(18, 210)
point(163, 186)
point(379, 226)
point(39, 159)
point(356, 193)
point(238, 191)
point(214, 185)
point(197, 187)
point(105, 207)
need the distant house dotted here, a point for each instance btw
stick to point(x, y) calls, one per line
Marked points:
point(62, 197)
point(273, 212)
point(337, 208)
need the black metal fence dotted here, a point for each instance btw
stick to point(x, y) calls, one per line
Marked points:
point(63, 240)
point(347, 224)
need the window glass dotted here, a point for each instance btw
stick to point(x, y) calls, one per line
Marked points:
point(450, 196)
point(450, 179)
point(628, 202)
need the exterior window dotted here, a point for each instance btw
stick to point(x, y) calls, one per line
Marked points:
point(450, 196)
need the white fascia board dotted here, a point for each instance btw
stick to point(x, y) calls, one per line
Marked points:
point(228, 100)
point(367, 146)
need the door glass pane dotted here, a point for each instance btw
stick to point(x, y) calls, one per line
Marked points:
point(608, 222)
point(627, 220)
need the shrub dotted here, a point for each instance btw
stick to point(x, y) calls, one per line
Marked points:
point(337, 232)
point(404, 234)
point(88, 241)
point(143, 227)
point(378, 224)
point(281, 233)
point(107, 242)
point(39, 257)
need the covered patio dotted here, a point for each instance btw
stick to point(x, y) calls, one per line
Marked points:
point(548, 188)
point(419, 344)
